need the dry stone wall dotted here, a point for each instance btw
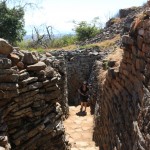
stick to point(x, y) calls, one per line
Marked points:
point(78, 65)
point(122, 116)
point(59, 64)
point(31, 101)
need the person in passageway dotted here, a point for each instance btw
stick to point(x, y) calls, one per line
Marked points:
point(83, 91)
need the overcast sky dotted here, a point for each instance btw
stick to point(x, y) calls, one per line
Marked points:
point(61, 13)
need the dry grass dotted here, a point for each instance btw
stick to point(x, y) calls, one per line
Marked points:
point(70, 47)
point(104, 44)
point(67, 48)
point(116, 56)
point(116, 20)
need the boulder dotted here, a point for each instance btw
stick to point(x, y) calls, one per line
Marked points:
point(124, 12)
point(29, 58)
point(49, 72)
point(5, 47)
point(37, 67)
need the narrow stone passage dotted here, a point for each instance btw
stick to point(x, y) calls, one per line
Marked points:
point(79, 129)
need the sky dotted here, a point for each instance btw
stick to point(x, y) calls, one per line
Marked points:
point(60, 13)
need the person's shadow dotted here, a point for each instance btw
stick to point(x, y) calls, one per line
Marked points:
point(81, 113)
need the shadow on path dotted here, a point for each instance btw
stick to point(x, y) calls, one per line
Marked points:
point(81, 113)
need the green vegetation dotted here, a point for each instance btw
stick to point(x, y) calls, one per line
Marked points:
point(103, 44)
point(11, 23)
point(62, 41)
point(55, 43)
point(86, 30)
point(105, 64)
point(12, 29)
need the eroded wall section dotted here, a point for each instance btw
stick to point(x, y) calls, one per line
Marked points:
point(122, 117)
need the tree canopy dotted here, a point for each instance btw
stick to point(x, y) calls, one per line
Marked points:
point(11, 23)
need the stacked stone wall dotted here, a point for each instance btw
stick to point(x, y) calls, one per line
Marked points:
point(122, 119)
point(79, 67)
point(31, 101)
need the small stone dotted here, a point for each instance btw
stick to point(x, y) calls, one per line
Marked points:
point(48, 54)
point(147, 12)
point(127, 40)
point(141, 32)
point(23, 76)
point(49, 72)
point(14, 58)
point(29, 80)
point(20, 65)
point(37, 67)
point(5, 63)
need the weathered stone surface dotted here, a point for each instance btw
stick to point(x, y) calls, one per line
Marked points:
point(147, 37)
point(5, 47)
point(124, 12)
point(8, 94)
point(140, 42)
point(4, 145)
point(9, 78)
point(31, 87)
point(8, 86)
point(20, 65)
point(14, 58)
point(5, 63)
point(7, 71)
point(147, 12)
point(23, 76)
point(49, 72)
point(29, 58)
point(29, 80)
point(127, 40)
point(37, 67)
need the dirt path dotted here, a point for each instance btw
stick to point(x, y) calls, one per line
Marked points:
point(79, 129)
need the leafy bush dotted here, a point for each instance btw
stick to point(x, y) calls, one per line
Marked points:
point(11, 23)
point(54, 43)
point(86, 30)
point(62, 41)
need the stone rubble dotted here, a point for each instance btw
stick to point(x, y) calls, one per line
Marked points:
point(115, 26)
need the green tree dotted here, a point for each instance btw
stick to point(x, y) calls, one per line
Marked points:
point(86, 30)
point(11, 23)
